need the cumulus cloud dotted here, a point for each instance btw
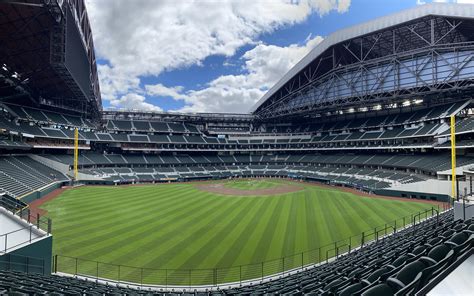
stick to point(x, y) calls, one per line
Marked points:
point(114, 82)
point(133, 101)
point(343, 5)
point(264, 65)
point(161, 90)
point(145, 38)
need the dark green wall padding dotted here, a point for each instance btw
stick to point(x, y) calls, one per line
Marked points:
point(33, 258)
point(40, 193)
point(415, 195)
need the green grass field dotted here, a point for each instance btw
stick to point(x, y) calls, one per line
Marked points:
point(178, 226)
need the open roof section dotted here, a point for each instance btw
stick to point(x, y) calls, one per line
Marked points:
point(382, 40)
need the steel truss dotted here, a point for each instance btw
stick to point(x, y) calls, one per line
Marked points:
point(431, 55)
point(33, 38)
point(58, 44)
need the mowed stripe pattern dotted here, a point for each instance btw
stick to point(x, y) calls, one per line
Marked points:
point(178, 226)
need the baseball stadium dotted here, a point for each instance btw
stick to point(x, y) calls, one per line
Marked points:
point(352, 175)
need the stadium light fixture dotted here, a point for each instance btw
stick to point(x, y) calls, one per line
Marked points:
point(406, 103)
point(393, 105)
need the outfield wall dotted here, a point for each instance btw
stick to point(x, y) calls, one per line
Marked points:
point(37, 194)
point(413, 195)
point(34, 258)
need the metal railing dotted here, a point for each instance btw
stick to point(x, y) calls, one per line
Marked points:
point(18, 236)
point(11, 204)
point(183, 278)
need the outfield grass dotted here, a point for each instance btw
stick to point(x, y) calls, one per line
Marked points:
point(178, 226)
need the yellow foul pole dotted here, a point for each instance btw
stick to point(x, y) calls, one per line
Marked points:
point(453, 157)
point(76, 152)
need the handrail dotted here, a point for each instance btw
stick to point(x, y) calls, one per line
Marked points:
point(11, 203)
point(24, 213)
point(20, 229)
point(29, 239)
point(234, 274)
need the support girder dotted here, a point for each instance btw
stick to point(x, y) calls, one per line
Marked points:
point(347, 72)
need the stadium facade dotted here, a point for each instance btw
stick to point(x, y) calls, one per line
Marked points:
point(368, 108)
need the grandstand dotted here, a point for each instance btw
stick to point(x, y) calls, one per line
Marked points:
point(367, 109)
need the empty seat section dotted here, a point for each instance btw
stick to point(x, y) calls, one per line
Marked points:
point(176, 127)
point(159, 126)
point(20, 175)
point(54, 133)
point(123, 125)
point(159, 138)
point(115, 158)
point(120, 137)
point(56, 117)
point(138, 138)
point(194, 139)
point(104, 137)
point(177, 139)
point(141, 125)
point(36, 114)
point(135, 159)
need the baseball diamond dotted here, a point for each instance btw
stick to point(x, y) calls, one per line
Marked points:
point(190, 226)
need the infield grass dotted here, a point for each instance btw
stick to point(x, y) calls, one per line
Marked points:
point(178, 226)
point(253, 184)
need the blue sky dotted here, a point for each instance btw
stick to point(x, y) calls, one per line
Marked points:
point(211, 56)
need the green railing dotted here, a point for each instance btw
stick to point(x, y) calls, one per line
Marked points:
point(237, 274)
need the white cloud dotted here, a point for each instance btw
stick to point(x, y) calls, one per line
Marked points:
point(343, 5)
point(144, 38)
point(161, 90)
point(264, 66)
point(114, 82)
point(133, 101)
